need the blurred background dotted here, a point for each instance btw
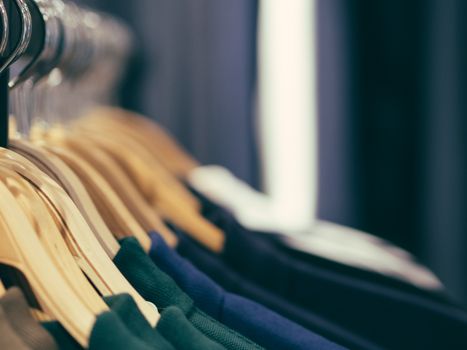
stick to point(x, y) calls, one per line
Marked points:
point(392, 77)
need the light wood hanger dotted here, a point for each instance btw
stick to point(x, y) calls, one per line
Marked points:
point(22, 250)
point(48, 230)
point(159, 195)
point(114, 212)
point(123, 186)
point(92, 258)
point(154, 137)
point(40, 316)
point(60, 172)
point(2, 289)
point(150, 176)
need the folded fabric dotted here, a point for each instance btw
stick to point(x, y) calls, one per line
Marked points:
point(251, 319)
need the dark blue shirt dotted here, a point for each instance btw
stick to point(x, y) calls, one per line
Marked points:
point(389, 317)
point(247, 317)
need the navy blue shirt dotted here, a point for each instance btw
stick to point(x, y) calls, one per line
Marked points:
point(233, 282)
point(389, 317)
point(247, 317)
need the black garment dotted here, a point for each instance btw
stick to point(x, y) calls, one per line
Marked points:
point(386, 316)
point(373, 277)
point(227, 222)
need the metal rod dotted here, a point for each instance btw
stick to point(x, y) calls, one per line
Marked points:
point(4, 77)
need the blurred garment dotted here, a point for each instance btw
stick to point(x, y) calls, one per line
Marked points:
point(329, 241)
point(253, 320)
point(157, 287)
point(14, 312)
point(388, 316)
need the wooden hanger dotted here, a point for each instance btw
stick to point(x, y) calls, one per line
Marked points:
point(154, 137)
point(48, 228)
point(92, 258)
point(151, 175)
point(63, 175)
point(160, 195)
point(2, 289)
point(112, 209)
point(122, 185)
point(22, 250)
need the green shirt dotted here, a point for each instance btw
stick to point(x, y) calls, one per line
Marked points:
point(158, 288)
point(125, 307)
point(173, 326)
point(108, 332)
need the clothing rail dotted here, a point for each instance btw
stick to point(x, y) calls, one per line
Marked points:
point(4, 107)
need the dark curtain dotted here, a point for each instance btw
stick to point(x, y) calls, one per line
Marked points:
point(194, 72)
point(408, 125)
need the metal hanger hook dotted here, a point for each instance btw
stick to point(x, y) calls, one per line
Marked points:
point(6, 29)
point(26, 32)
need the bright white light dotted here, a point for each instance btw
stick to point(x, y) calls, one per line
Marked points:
point(287, 101)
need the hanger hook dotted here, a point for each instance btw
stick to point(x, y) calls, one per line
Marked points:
point(6, 29)
point(26, 31)
point(47, 56)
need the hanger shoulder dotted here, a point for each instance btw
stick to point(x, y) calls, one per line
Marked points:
point(60, 172)
point(154, 137)
point(148, 172)
point(21, 249)
point(114, 211)
point(123, 186)
point(49, 232)
point(160, 192)
point(92, 258)
point(2, 289)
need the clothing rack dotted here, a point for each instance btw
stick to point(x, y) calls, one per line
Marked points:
point(4, 77)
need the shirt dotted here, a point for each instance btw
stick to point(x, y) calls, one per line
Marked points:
point(251, 319)
point(16, 311)
point(232, 281)
point(125, 307)
point(386, 316)
point(122, 326)
point(344, 250)
point(9, 340)
point(181, 333)
point(158, 288)
point(327, 240)
point(172, 325)
point(108, 332)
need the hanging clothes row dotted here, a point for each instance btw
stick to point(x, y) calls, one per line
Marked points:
point(113, 237)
